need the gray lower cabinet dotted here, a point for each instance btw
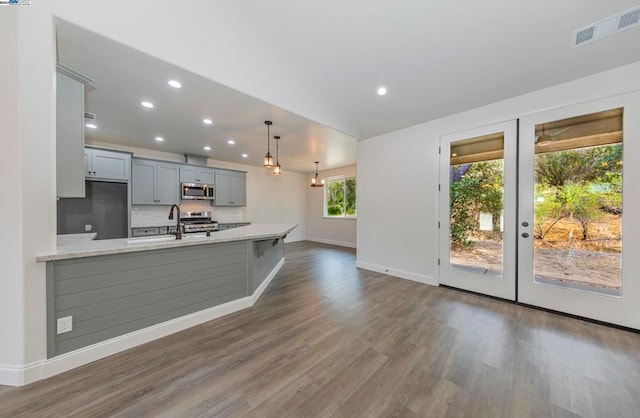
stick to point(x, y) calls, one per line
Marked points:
point(107, 165)
point(194, 174)
point(154, 230)
point(145, 232)
point(69, 133)
point(225, 226)
point(154, 183)
point(231, 188)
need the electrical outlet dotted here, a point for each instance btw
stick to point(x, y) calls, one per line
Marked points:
point(65, 324)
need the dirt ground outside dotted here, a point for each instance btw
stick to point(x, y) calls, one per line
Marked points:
point(563, 257)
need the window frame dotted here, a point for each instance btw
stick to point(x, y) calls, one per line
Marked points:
point(344, 179)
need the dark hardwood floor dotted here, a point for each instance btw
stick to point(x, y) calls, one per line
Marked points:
point(329, 340)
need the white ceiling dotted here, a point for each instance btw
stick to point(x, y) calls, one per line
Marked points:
point(436, 57)
point(123, 77)
point(324, 60)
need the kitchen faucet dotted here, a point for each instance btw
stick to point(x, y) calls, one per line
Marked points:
point(178, 228)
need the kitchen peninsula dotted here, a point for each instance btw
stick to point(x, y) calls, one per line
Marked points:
point(119, 293)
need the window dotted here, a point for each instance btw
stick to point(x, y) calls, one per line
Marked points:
point(340, 197)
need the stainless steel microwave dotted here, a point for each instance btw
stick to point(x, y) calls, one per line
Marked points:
point(197, 191)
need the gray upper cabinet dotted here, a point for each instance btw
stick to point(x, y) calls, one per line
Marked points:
point(167, 184)
point(230, 188)
point(143, 182)
point(107, 165)
point(70, 133)
point(193, 174)
point(154, 183)
point(206, 175)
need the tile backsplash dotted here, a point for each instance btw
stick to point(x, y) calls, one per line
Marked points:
point(145, 216)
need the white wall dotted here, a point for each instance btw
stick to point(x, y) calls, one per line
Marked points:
point(270, 199)
point(334, 231)
point(398, 175)
point(27, 167)
point(11, 332)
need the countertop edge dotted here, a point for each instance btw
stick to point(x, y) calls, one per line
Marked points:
point(161, 245)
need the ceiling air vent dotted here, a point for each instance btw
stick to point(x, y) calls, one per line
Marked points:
point(629, 18)
point(607, 27)
point(585, 35)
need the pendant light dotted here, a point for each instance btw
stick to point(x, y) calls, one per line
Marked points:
point(268, 158)
point(277, 170)
point(315, 182)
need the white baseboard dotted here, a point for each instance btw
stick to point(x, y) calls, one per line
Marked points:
point(23, 375)
point(12, 375)
point(256, 295)
point(416, 277)
point(332, 242)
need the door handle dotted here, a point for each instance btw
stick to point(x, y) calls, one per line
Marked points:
point(525, 235)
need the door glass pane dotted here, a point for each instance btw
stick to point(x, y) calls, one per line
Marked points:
point(476, 178)
point(578, 203)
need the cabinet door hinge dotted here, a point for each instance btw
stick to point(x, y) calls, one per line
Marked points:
point(438, 187)
point(438, 224)
point(439, 150)
point(438, 261)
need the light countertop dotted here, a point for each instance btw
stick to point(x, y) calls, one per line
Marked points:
point(162, 224)
point(153, 224)
point(66, 239)
point(87, 248)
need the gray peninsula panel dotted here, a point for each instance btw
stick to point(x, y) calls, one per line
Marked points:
point(266, 255)
point(112, 295)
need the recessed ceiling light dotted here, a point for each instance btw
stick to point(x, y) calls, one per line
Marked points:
point(207, 121)
point(175, 84)
point(159, 139)
point(245, 155)
point(231, 142)
point(207, 148)
point(146, 104)
point(382, 90)
point(91, 125)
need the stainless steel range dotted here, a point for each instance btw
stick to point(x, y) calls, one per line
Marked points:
point(193, 222)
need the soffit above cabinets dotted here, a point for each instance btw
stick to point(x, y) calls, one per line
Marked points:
point(124, 77)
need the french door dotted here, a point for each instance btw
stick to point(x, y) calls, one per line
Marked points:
point(541, 218)
point(578, 236)
point(478, 200)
